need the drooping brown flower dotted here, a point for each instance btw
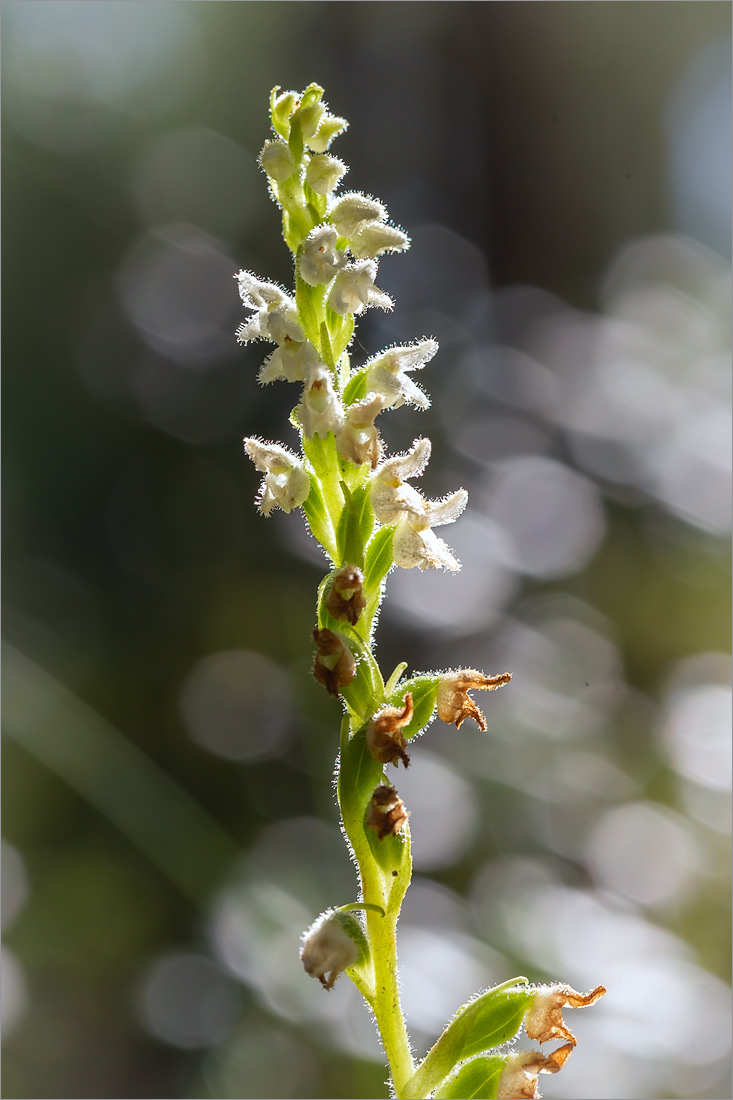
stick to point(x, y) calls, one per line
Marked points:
point(346, 599)
point(386, 813)
point(453, 701)
point(334, 665)
point(519, 1079)
point(544, 1020)
point(384, 736)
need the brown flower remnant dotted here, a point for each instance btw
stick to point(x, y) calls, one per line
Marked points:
point(334, 666)
point(386, 813)
point(384, 735)
point(346, 599)
point(544, 1020)
point(519, 1079)
point(453, 701)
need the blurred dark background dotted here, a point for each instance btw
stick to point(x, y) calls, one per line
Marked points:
point(168, 820)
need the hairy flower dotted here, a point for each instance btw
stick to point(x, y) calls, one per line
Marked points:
point(391, 498)
point(320, 410)
point(358, 439)
point(544, 1020)
point(277, 160)
point(268, 300)
point(386, 813)
point(334, 665)
point(387, 373)
point(453, 701)
point(320, 260)
point(352, 211)
point(393, 501)
point(384, 736)
point(345, 599)
point(324, 173)
point(519, 1079)
point(286, 483)
point(354, 289)
point(328, 949)
point(293, 360)
point(374, 238)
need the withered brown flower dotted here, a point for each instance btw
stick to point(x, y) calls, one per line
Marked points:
point(519, 1079)
point(386, 813)
point(345, 599)
point(384, 736)
point(334, 665)
point(544, 1020)
point(453, 701)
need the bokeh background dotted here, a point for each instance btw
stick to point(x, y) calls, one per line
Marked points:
point(168, 818)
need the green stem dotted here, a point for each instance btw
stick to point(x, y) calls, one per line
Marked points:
point(381, 932)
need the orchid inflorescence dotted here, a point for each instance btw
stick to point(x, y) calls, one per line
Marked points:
point(360, 506)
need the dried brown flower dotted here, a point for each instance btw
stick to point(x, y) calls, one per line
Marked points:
point(345, 599)
point(334, 666)
point(386, 813)
point(544, 1019)
point(384, 735)
point(453, 701)
point(519, 1079)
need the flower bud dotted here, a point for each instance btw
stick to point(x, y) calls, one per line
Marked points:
point(519, 1078)
point(277, 160)
point(384, 736)
point(334, 665)
point(346, 601)
point(544, 1020)
point(453, 701)
point(324, 173)
point(352, 211)
point(333, 943)
point(375, 237)
point(329, 128)
point(386, 813)
point(281, 109)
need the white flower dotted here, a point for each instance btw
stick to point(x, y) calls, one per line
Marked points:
point(354, 289)
point(286, 483)
point(391, 498)
point(291, 361)
point(386, 373)
point(328, 949)
point(275, 316)
point(277, 160)
point(414, 543)
point(329, 128)
point(320, 260)
point(394, 502)
point(358, 440)
point(320, 410)
point(324, 173)
point(352, 211)
point(374, 238)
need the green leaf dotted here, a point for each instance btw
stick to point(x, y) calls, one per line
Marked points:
point(356, 388)
point(378, 559)
point(486, 1022)
point(424, 691)
point(355, 524)
point(475, 1080)
point(309, 300)
point(319, 520)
